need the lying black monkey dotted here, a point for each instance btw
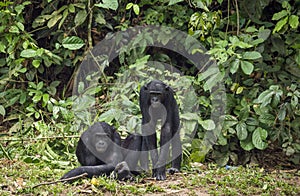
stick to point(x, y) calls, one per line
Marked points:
point(157, 102)
point(101, 152)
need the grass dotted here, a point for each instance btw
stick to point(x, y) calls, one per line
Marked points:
point(20, 178)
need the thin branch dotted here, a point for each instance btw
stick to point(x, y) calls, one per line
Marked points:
point(61, 180)
point(90, 40)
point(237, 17)
point(228, 18)
point(38, 138)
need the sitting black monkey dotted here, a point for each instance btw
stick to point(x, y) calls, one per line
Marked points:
point(157, 102)
point(101, 152)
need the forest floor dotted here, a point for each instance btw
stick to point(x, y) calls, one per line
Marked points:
point(19, 178)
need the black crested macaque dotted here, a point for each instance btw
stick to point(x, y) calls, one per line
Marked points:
point(100, 151)
point(157, 102)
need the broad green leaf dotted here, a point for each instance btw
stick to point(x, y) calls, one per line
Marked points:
point(2, 47)
point(36, 63)
point(280, 24)
point(208, 124)
point(132, 124)
point(80, 5)
point(279, 15)
point(243, 45)
point(239, 90)
point(23, 70)
point(221, 140)
point(247, 144)
point(251, 55)
point(294, 101)
point(108, 4)
point(252, 122)
point(285, 4)
point(190, 116)
point(129, 5)
point(45, 98)
point(72, 43)
point(230, 121)
point(100, 19)
point(55, 83)
point(81, 87)
point(290, 151)
point(247, 67)
point(172, 2)
point(257, 41)
point(241, 131)
point(36, 98)
point(265, 98)
point(268, 119)
point(258, 137)
point(136, 9)
point(40, 86)
point(55, 112)
point(80, 17)
point(264, 34)
point(2, 110)
point(294, 21)
point(62, 21)
point(282, 113)
point(22, 98)
point(71, 8)
point(28, 53)
point(234, 65)
point(251, 29)
point(14, 29)
point(37, 115)
point(54, 20)
point(20, 26)
point(109, 115)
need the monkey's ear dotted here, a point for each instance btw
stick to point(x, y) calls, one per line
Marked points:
point(146, 86)
point(169, 89)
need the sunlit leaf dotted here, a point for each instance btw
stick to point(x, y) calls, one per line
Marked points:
point(2, 110)
point(247, 67)
point(241, 131)
point(108, 4)
point(258, 137)
point(251, 55)
point(172, 2)
point(73, 43)
point(28, 53)
point(208, 124)
point(54, 20)
point(247, 144)
point(294, 21)
point(136, 9)
point(80, 17)
point(279, 15)
point(280, 24)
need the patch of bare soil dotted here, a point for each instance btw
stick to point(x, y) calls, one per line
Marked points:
point(175, 185)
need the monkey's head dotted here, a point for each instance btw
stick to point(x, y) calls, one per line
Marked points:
point(158, 92)
point(98, 137)
point(101, 141)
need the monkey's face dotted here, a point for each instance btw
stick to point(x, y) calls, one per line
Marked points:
point(156, 99)
point(101, 142)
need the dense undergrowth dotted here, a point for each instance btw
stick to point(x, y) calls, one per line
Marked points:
point(22, 178)
point(255, 47)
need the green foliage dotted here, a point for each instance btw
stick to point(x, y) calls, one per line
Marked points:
point(259, 106)
point(256, 47)
point(285, 18)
